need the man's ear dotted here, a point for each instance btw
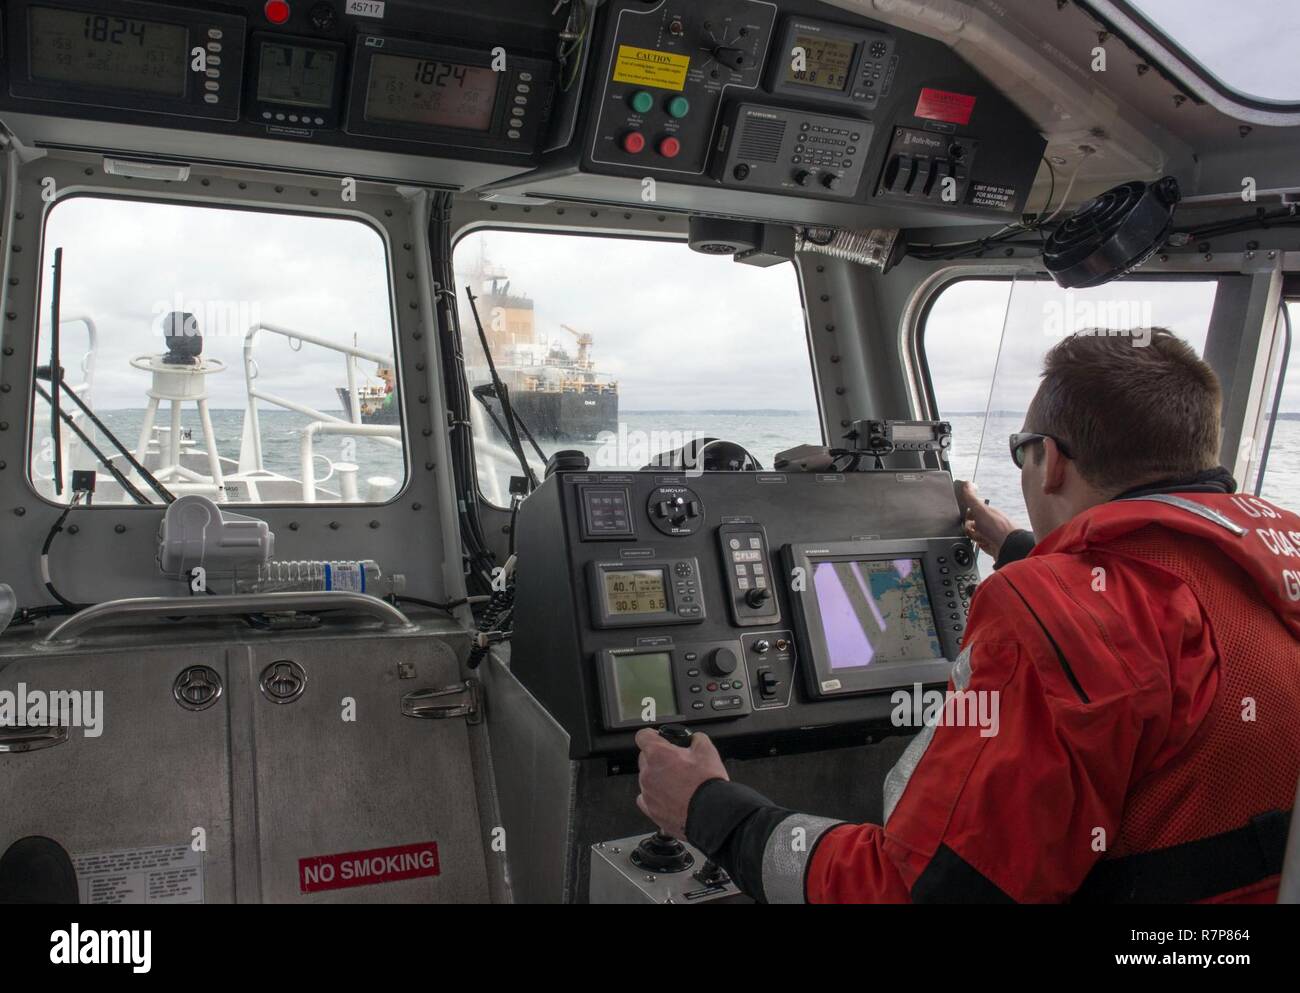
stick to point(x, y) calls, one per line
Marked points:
point(1054, 467)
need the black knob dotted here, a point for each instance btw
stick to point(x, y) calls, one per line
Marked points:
point(323, 17)
point(733, 58)
point(803, 177)
point(756, 598)
point(831, 181)
point(676, 734)
point(722, 662)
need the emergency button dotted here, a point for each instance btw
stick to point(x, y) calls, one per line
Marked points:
point(276, 11)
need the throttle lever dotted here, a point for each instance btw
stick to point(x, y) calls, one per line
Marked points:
point(710, 874)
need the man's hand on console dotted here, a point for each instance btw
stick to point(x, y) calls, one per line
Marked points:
point(987, 526)
point(670, 775)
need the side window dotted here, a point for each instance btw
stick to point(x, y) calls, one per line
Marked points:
point(629, 348)
point(984, 340)
point(1278, 437)
point(241, 354)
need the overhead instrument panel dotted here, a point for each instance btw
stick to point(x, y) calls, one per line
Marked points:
point(409, 80)
point(797, 112)
point(442, 94)
point(127, 55)
point(665, 76)
point(834, 63)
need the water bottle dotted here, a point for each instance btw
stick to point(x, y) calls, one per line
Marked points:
point(277, 576)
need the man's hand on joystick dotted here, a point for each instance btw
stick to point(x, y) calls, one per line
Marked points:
point(671, 773)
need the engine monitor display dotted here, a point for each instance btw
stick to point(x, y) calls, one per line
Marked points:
point(875, 611)
point(825, 62)
point(431, 93)
point(297, 75)
point(643, 684)
point(78, 48)
point(639, 591)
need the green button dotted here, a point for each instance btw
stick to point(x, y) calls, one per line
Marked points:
point(642, 101)
point(679, 107)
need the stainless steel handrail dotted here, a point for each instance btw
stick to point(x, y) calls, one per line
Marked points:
point(239, 603)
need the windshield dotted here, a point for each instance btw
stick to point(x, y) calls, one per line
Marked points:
point(1250, 50)
point(241, 354)
point(626, 349)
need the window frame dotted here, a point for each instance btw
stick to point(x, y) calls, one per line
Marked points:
point(478, 226)
point(1284, 318)
point(188, 199)
point(1185, 67)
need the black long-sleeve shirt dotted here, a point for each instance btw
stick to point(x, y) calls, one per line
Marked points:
point(731, 822)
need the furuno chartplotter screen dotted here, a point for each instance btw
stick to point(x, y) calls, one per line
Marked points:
point(874, 611)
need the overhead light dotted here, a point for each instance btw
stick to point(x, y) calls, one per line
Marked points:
point(168, 172)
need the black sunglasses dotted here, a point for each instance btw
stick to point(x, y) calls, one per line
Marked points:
point(1023, 439)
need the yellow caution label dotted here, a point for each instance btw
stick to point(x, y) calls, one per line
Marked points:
point(650, 67)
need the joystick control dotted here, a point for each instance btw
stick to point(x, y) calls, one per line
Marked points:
point(661, 852)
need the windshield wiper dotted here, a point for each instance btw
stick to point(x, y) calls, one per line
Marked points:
point(56, 374)
point(104, 460)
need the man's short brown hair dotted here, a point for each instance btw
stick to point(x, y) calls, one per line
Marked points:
point(1129, 414)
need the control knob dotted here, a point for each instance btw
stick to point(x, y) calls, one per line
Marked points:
point(757, 597)
point(722, 662)
point(733, 58)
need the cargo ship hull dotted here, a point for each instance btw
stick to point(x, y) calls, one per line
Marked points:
point(381, 413)
point(569, 415)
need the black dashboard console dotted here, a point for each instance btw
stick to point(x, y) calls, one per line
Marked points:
point(773, 607)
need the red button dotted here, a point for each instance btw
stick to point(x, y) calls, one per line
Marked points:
point(669, 147)
point(276, 11)
point(633, 142)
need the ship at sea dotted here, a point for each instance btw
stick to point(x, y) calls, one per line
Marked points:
point(557, 393)
point(378, 401)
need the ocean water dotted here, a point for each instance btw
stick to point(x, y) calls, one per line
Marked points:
point(643, 433)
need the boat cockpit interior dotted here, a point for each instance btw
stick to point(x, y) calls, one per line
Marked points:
point(405, 402)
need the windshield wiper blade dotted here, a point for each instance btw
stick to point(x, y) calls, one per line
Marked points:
point(164, 494)
point(56, 373)
point(104, 460)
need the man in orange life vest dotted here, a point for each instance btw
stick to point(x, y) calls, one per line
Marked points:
point(1147, 656)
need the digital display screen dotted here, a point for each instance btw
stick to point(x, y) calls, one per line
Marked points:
point(635, 591)
point(407, 90)
point(99, 50)
point(913, 432)
point(826, 62)
point(875, 611)
point(639, 679)
point(296, 75)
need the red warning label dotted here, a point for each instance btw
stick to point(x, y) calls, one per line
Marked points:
point(941, 105)
point(378, 865)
